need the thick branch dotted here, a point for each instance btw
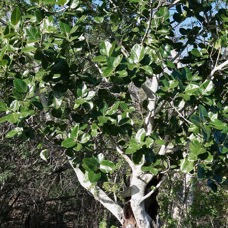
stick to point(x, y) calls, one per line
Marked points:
point(98, 194)
point(150, 87)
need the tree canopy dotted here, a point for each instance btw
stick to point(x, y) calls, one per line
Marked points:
point(131, 89)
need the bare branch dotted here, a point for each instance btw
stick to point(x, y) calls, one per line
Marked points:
point(98, 193)
point(149, 23)
point(152, 191)
point(173, 106)
point(219, 67)
point(125, 157)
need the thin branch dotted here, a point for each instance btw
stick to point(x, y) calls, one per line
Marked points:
point(152, 191)
point(180, 114)
point(124, 156)
point(149, 24)
point(3, 22)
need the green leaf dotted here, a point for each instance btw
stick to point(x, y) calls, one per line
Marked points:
point(68, 143)
point(148, 69)
point(150, 169)
point(196, 148)
point(140, 135)
point(12, 118)
point(98, 19)
point(49, 2)
point(108, 71)
point(3, 107)
point(99, 59)
point(20, 85)
point(113, 62)
point(16, 16)
point(133, 147)
point(207, 87)
point(62, 2)
point(85, 138)
point(33, 34)
point(28, 49)
point(94, 177)
point(44, 154)
point(65, 28)
point(106, 48)
point(78, 147)
point(202, 112)
point(122, 73)
point(186, 166)
point(137, 53)
point(195, 52)
point(90, 164)
point(191, 88)
point(113, 109)
point(107, 166)
point(3, 62)
point(74, 4)
point(15, 132)
point(160, 142)
point(218, 124)
point(74, 132)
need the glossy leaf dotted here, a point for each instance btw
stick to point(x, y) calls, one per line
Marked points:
point(90, 164)
point(106, 48)
point(186, 166)
point(69, 143)
point(74, 4)
point(15, 132)
point(44, 154)
point(137, 53)
point(107, 166)
point(16, 16)
point(20, 85)
point(94, 177)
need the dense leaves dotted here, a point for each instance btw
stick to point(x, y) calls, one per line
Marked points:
point(74, 73)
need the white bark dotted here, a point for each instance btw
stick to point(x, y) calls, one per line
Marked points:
point(98, 194)
point(219, 67)
point(139, 182)
point(150, 87)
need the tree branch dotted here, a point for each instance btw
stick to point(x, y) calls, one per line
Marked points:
point(219, 67)
point(123, 155)
point(149, 24)
point(152, 191)
point(173, 106)
point(150, 88)
point(98, 193)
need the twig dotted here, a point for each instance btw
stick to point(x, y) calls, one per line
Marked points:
point(180, 114)
point(125, 157)
point(3, 22)
point(149, 24)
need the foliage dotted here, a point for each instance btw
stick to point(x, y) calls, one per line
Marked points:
point(70, 72)
point(205, 209)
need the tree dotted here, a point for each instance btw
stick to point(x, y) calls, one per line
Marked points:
point(133, 90)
